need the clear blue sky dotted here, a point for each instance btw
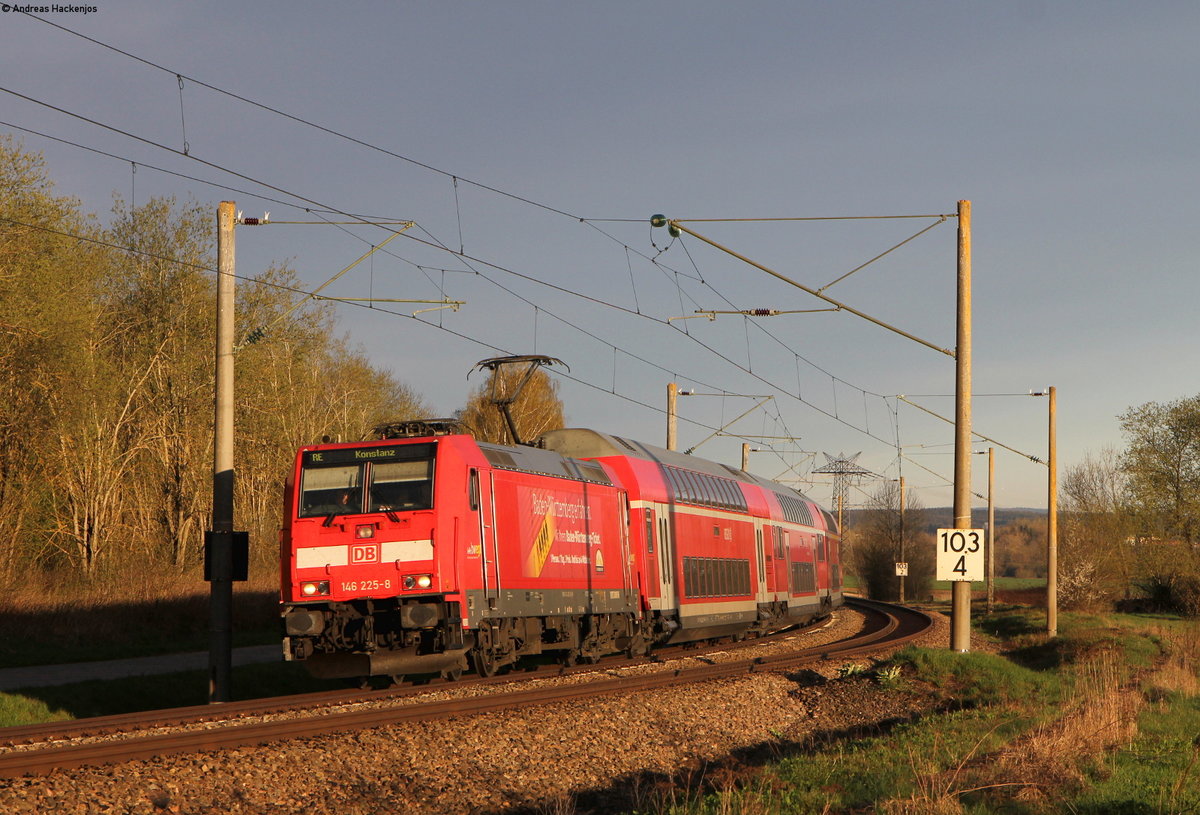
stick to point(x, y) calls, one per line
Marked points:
point(539, 138)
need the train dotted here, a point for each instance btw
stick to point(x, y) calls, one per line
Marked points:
point(429, 552)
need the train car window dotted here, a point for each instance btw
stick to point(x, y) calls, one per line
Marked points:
point(691, 493)
point(715, 497)
point(665, 561)
point(672, 483)
point(349, 481)
point(804, 578)
point(474, 490)
point(830, 522)
point(717, 577)
point(649, 532)
point(328, 491)
point(402, 485)
point(795, 509)
point(719, 497)
point(820, 547)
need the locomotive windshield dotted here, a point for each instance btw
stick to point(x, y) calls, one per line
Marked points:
point(347, 481)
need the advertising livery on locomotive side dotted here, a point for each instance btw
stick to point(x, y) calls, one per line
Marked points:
point(431, 553)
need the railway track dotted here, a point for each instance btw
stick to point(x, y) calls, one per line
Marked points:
point(39, 749)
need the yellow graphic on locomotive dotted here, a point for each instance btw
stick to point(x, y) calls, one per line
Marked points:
point(543, 542)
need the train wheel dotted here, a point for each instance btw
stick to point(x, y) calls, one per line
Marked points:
point(484, 663)
point(569, 658)
point(483, 658)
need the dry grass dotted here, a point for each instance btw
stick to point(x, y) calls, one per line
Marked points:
point(1102, 716)
point(52, 591)
point(48, 618)
point(1052, 758)
point(1179, 671)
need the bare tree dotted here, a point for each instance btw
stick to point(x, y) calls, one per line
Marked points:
point(537, 410)
point(159, 290)
point(46, 284)
point(874, 545)
point(1096, 558)
point(107, 386)
point(297, 384)
point(92, 464)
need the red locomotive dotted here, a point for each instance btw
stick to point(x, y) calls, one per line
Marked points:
point(431, 551)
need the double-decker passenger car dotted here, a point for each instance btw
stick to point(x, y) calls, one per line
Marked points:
point(423, 554)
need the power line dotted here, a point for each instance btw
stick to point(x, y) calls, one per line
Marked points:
point(307, 294)
point(439, 246)
point(299, 120)
point(453, 176)
point(152, 143)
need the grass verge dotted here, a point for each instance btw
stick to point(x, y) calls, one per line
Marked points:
point(1104, 718)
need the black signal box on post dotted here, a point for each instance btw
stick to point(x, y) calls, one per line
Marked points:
point(239, 559)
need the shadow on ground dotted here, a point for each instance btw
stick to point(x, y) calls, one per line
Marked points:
point(122, 629)
point(655, 792)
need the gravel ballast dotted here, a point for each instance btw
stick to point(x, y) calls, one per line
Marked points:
point(569, 757)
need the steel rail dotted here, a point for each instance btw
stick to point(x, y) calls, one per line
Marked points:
point(196, 714)
point(237, 733)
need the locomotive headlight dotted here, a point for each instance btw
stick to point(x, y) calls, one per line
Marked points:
point(317, 588)
point(362, 532)
point(418, 581)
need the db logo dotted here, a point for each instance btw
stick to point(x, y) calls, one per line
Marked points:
point(364, 553)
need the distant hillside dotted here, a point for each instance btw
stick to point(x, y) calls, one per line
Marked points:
point(943, 517)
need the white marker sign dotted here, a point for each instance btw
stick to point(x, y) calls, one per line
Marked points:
point(960, 554)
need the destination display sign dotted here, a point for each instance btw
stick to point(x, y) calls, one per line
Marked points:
point(358, 455)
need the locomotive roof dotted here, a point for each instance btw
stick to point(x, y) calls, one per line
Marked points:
point(546, 462)
point(578, 442)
